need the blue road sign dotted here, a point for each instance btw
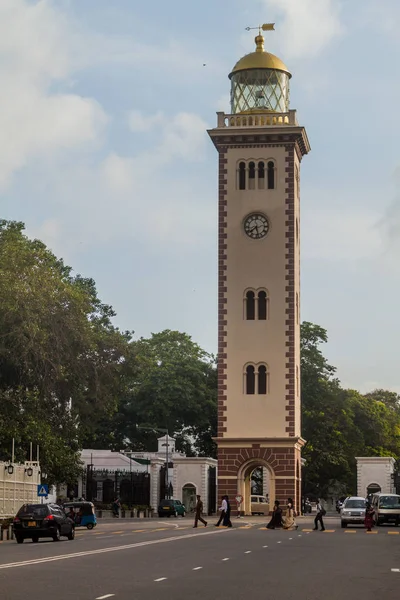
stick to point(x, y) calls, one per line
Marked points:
point(42, 489)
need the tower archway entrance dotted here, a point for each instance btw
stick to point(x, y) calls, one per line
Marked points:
point(256, 483)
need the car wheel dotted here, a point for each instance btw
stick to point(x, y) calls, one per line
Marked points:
point(343, 524)
point(183, 514)
point(89, 526)
point(175, 514)
point(20, 539)
point(35, 539)
point(159, 515)
point(169, 515)
point(71, 535)
point(56, 535)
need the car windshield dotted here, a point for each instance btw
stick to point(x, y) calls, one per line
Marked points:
point(37, 510)
point(355, 504)
point(167, 502)
point(387, 502)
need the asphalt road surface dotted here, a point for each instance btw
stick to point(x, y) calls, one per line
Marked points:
point(161, 559)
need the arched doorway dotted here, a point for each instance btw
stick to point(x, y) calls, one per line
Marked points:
point(189, 496)
point(251, 478)
point(373, 488)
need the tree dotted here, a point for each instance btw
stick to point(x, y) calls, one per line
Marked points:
point(340, 424)
point(173, 388)
point(62, 362)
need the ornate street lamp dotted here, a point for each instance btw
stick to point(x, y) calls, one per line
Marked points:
point(29, 471)
point(9, 468)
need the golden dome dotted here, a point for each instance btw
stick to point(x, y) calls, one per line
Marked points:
point(260, 60)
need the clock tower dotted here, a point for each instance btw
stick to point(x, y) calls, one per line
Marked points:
point(260, 146)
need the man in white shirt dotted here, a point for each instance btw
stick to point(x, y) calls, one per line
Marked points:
point(318, 518)
point(223, 508)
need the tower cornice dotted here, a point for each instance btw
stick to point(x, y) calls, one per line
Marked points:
point(242, 137)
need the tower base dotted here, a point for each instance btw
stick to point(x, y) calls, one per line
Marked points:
point(237, 459)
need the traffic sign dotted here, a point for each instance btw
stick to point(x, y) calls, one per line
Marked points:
point(239, 499)
point(42, 490)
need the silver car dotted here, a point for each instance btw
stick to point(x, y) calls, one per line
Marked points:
point(352, 511)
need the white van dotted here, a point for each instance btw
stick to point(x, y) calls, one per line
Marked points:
point(386, 508)
point(259, 505)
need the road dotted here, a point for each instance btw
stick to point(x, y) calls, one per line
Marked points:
point(169, 559)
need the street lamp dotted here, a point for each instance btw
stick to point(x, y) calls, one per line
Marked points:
point(29, 471)
point(162, 430)
point(9, 469)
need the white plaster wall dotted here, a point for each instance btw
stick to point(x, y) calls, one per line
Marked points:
point(192, 472)
point(375, 470)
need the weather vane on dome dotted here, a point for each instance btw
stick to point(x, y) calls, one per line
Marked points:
point(265, 27)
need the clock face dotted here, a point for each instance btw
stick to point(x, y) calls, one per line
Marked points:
point(256, 226)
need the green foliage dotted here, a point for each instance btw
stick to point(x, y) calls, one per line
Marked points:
point(339, 424)
point(174, 388)
point(62, 363)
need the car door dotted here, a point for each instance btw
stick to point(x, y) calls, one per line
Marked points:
point(62, 520)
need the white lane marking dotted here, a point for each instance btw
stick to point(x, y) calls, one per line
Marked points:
point(106, 596)
point(265, 546)
point(165, 523)
point(161, 579)
point(290, 538)
point(111, 549)
point(248, 552)
point(299, 535)
point(225, 559)
point(395, 570)
point(197, 568)
point(279, 542)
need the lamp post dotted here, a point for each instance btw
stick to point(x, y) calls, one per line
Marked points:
point(162, 430)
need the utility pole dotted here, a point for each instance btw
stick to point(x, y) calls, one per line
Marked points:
point(162, 430)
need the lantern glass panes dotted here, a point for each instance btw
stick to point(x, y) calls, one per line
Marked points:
point(260, 89)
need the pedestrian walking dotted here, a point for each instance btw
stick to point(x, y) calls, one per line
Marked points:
point(369, 516)
point(290, 522)
point(227, 518)
point(222, 509)
point(198, 512)
point(276, 519)
point(115, 508)
point(321, 512)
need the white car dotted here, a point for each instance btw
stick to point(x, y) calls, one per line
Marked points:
point(352, 511)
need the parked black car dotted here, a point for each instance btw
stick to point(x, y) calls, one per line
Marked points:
point(34, 521)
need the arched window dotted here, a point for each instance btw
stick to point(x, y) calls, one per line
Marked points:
point(271, 175)
point(262, 379)
point(252, 175)
point(250, 306)
point(250, 380)
point(242, 176)
point(261, 175)
point(262, 305)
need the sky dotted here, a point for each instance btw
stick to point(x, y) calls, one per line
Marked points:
point(104, 108)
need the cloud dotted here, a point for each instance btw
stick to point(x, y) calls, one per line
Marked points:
point(308, 26)
point(136, 197)
point(34, 120)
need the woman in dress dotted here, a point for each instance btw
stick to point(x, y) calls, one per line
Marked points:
point(290, 522)
point(369, 516)
point(276, 520)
